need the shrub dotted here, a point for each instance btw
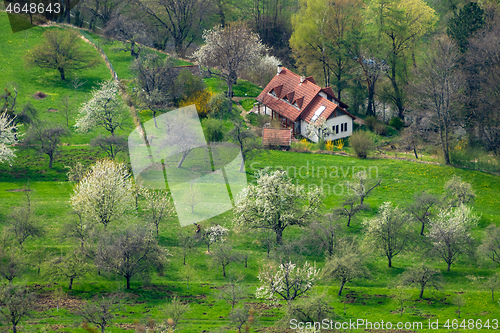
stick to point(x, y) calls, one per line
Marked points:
point(370, 122)
point(213, 130)
point(380, 129)
point(397, 123)
point(362, 143)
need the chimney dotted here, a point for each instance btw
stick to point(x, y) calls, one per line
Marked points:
point(280, 68)
point(302, 79)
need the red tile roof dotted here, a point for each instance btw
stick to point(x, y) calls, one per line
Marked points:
point(276, 137)
point(304, 94)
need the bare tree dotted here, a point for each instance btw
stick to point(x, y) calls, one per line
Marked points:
point(45, 139)
point(174, 311)
point(99, 312)
point(232, 293)
point(422, 276)
point(16, 303)
point(324, 236)
point(12, 264)
point(437, 89)
point(224, 255)
point(188, 242)
point(70, 266)
point(362, 185)
point(23, 221)
point(65, 108)
point(490, 247)
point(493, 283)
point(229, 49)
point(350, 207)
point(181, 19)
point(345, 266)
point(158, 206)
point(421, 208)
point(130, 252)
point(111, 145)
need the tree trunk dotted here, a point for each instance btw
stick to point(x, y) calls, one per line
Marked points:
point(349, 221)
point(51, 160)
point(61, 71)
point(389, 258)
point(341, 287)
point(184, 155)
point(184, 259)
point(70, 283)
point(422, 230)
point(493, 295)
point(223, 270)
point(449, 265)
point(102, 328)
point(415, 151)
point(279, 236)
point(68, 16)
point(370, 111)
point(421, 292)
point(230, 92)
point(128, 283)
point(14, 329)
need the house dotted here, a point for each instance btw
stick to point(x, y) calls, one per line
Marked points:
point(276, 137)
point(304, 107)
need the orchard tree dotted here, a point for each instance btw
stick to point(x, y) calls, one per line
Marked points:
point(45, 139)
point(224, 255)
point(214, 234)
point(345, 266)
point(100, 312)
point(104, 194)
point(389, 231)
point(23, 222)
point(490, 247)
point(449, 233)
point(71, 266)
point(229, 49)
point(111, 145)
point(422, 276)
point(188, 242)
point(492, 284)
point(12, 264)
point(275, 203)
point(286, 280)
point(350, 207)
point(421, 208)
point(362, 185)
point(104, 109)
point(16, 303)
point(157, 206)
point(458, 192)
point(130, 252)
point(324, 236)
point(62, 49)
point(7, 137)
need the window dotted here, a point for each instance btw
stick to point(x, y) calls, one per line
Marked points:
point(337, 129)
point(318, 113)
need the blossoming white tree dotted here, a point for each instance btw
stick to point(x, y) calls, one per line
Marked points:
point(229, 49)
point(105, 193)
point(276, 203)
point(7, 137)
point(105, 109)
point(450, 234)
point(287, 281)
point(214, 234)
point(389, 231)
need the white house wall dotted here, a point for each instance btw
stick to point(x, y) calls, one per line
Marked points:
point(333, 121)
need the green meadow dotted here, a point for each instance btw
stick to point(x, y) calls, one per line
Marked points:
point(371, 299)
